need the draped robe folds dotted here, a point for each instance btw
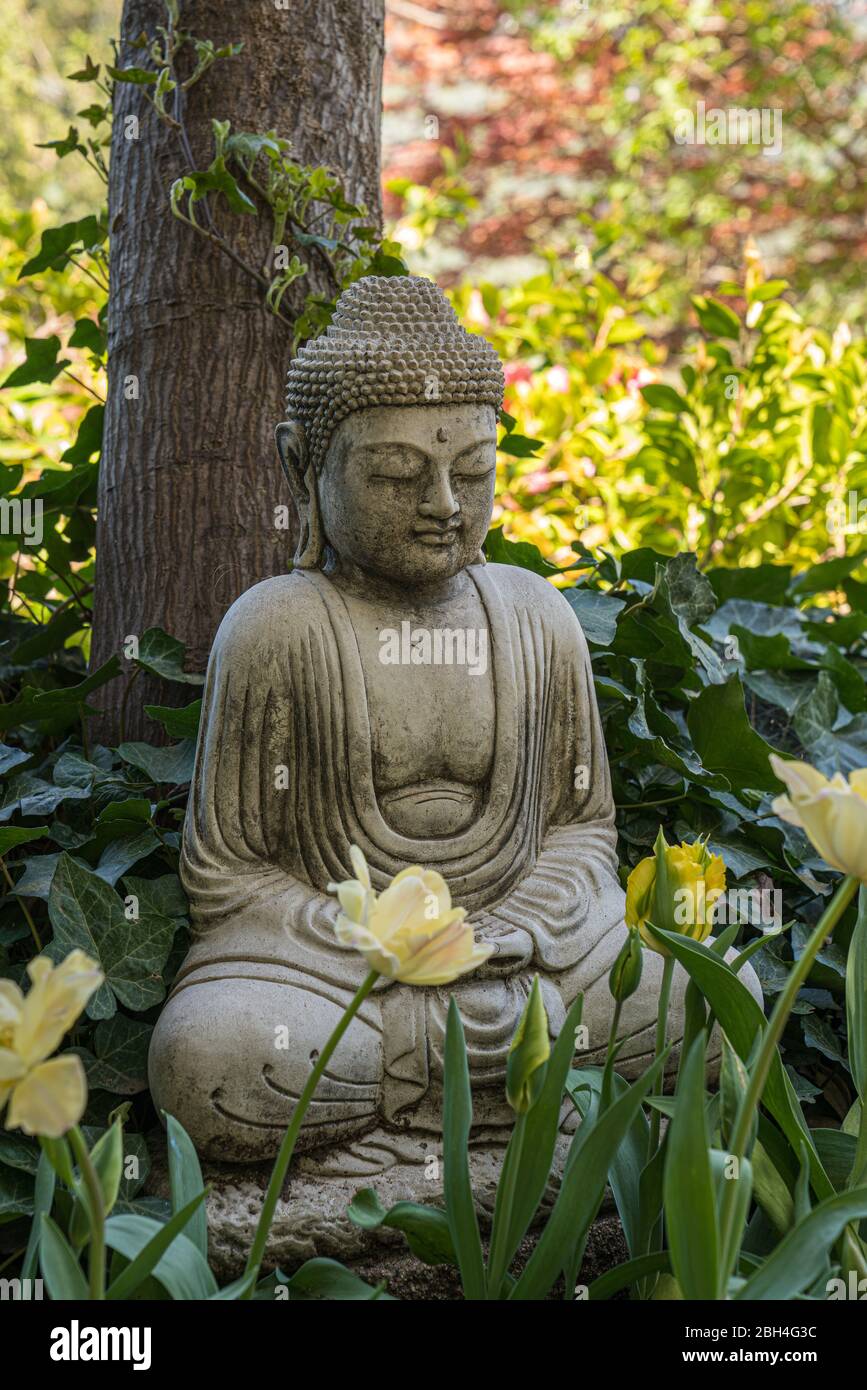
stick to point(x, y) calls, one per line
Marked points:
point(284, 786)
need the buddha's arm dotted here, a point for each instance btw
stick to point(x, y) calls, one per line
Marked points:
point(241, 845)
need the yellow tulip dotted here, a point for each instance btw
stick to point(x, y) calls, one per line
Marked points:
point(675, 889)
point(832, 811)
point(410, 931)
point(528, 1054)
point(44, 1097)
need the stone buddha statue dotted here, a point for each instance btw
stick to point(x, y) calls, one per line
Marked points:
point(397, 693)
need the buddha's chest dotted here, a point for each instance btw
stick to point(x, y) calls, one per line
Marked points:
point(430, 698)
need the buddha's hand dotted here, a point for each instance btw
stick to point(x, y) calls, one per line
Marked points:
point(513, 946)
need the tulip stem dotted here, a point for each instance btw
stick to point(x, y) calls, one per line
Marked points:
point(284, 1155)
point(22, 904)
point(605, 1095)
point(500, 1235)
point(772, 1035)
point(96, 1212)
point(661, 1029)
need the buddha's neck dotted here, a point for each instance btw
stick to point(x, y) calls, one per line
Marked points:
point(375, 588)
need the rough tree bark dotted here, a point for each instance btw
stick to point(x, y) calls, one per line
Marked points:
point(189, 476)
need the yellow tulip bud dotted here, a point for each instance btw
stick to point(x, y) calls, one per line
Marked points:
point(528, 1054)
point(676, 890)
point(625, 974)
point(832, 812)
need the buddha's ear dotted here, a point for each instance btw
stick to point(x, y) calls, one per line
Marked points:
point(292, 448)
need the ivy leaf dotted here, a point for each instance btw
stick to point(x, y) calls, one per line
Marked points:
point(140, 77)
point(596, 612)
point(164, 656)
point(119, 1063)
point(501, 551)
point(814, 717)
point(12, 835)
point(88, 334)
point(57, 243)
point(11, 757)
point(63, 704)
point(88, 441)
point(217, 179)
point(68, 145)
point(178, 723)
point(40, 363)
point(726, 741)
point(172, 766)
point(88, 73)
point(519, 446)
point(86, 913)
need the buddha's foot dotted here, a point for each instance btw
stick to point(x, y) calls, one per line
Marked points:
point(233, 1048)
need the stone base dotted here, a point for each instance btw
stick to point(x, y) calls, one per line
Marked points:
point(311, 1216)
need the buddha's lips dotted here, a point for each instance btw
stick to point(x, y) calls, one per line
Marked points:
point(433, 537)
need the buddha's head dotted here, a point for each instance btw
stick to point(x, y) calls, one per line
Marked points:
point(390, 446)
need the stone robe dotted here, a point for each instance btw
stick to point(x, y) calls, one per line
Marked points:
point(283, 786)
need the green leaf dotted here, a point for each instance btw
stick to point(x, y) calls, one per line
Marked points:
point(43, 1200)
point(527, 1164)
point(631, 1272)
point(13, 835)
point(185, 1178)
point(58, 242)
point(689, 1199)
point(801, 1257)
point(119, 1063)
point(164, 656)
point(741, 1018)
point(155, 1257)
point(87, 913)
point(40, 362)
point(107, 1158)
point(500, 551)
point(178, 723)
point(180, 1268)
point(856, 999)
point(725, 740)
point(172, 766)
point(33, 706)
point(519, 446)
point(716, 318)
point(140, 77)
point(60, 1269)
point(625, 1172)
point(457, 1121)
point(582, 1189)
point(327, 1279)
point(662, 397)
point(596, 612)
point(426, 1228)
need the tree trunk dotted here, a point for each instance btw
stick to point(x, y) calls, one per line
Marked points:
point(189, 479)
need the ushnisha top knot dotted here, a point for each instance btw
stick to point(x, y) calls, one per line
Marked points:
point(393, 340)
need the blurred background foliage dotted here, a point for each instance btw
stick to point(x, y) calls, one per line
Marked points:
point(531, 167)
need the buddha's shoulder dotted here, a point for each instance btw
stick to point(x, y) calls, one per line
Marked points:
point(522, 588)
point(271, 611)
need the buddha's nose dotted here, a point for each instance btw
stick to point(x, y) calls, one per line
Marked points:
point(439, 500)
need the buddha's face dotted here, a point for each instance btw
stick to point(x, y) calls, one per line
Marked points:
point(406, 492)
